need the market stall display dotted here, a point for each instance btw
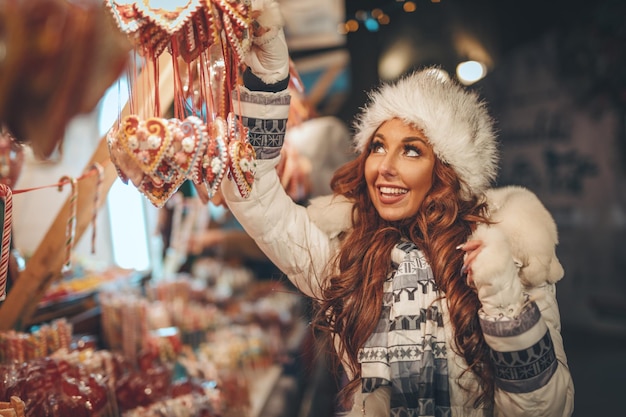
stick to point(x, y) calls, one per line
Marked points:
point(160, 353)
point(205, 354)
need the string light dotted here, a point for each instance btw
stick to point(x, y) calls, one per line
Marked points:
point(373, 19)
point(409, 7)
point(469, 72)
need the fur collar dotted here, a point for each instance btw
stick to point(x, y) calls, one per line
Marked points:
point(515, 210)
point(331, 213)
point(531, 232)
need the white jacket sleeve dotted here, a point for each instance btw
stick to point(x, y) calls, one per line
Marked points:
point(281, 228)
point(532, 376)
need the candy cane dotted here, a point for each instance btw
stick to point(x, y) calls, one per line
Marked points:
point(96, 203)
point(7, 194)
point(70, 229)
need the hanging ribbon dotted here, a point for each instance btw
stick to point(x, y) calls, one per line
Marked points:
point(7, 196)
point(70, 230)
point(96, 203)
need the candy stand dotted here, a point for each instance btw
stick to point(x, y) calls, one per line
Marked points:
point(137, 346)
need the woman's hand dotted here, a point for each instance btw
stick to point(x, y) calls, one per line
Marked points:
point(472, 249)
point(491, 269)
point(268, 57)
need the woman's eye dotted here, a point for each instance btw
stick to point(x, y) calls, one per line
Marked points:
point(412, 152)
point(377, 147)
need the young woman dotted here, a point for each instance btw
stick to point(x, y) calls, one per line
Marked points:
point(437, 300)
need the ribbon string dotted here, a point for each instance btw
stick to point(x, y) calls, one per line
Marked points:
point(6, 194)
point(70, 229)
point(96, 203)
point(87, 174)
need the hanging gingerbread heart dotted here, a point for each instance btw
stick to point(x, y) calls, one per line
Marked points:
point(215, 160)
point(169, 16)
point(236, 22)
point(126, 15)
point(145, 141)
point(151, 41)
point(192, 39)
point(125, 166)
point(242, 165)
point(210, 15)
point(242, 156)
point(188, 146)
point(159, 191)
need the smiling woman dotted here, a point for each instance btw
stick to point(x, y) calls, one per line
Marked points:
point(422, 321)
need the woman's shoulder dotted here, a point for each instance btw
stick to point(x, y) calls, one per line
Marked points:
point(331, 213)
point(521, 208)
point(530, 229)
point(512, 194)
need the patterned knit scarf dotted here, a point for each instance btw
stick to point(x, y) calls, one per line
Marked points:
point(407, 350)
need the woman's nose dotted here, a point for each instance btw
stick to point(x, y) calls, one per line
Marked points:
point(387, 166)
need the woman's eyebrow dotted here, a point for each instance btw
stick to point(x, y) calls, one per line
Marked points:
point(409, 139)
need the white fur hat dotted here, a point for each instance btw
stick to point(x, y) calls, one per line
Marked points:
point(453, 118)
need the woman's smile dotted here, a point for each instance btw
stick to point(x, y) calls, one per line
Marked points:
point(391, 195)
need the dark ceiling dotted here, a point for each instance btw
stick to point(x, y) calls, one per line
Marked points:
point(500, 26)
point(503, 24)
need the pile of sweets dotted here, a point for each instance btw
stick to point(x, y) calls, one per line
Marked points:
point(44, 340)
point(99, 383)
point(129, 321)
point(51, 387)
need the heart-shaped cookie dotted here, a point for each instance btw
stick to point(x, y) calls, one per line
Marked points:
point(145, 141)
point(169, 16)
point(125, 15)
point(195, 37)
point(187, 147)
point(159, 191)
point(242, 165)
point(215, 160)
point(125, 166)
point(157, 186)
point(152, 41)
point(236, 23)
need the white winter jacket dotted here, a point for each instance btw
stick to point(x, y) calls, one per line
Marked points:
point(533, 376)
point(301, 241)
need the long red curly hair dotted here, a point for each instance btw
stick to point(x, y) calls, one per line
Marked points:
point(352, 298)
